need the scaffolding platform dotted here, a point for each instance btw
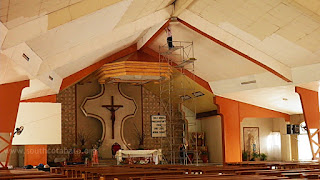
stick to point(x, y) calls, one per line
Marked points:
point(186, 62)
point(171, 50)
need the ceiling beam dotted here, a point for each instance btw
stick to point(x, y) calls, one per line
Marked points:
point(48, 98)
point(76, 77)
point(180, 5)
point(207, 114)
point(3, 33)
point(152, 34)
point(233, 43)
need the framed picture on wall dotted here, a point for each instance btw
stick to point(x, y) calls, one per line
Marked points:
point(251, 140)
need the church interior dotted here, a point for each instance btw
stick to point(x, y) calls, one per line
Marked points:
point(159, 89)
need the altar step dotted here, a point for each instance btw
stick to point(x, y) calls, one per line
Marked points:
point(107, 162)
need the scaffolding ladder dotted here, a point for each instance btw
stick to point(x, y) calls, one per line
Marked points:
point(181, 58)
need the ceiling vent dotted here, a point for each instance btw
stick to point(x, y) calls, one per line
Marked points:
point(25, 57)
point(185, 97)
point(198, 94)
point(248, 82)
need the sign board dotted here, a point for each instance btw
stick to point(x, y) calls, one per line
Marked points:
point(158, 126)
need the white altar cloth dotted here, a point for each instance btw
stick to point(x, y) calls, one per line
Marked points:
point(156, 154)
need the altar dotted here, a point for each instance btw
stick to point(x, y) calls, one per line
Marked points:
point(155, 155)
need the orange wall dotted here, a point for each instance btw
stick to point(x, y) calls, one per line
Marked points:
point(251, 111)
point(230, 124)
point(35, 154)
point(9, 104)
point(232, 113)
point(310, 106)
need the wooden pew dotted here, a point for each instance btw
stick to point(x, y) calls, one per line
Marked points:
point(252, 170)
point(28, 174)
point(128, 175)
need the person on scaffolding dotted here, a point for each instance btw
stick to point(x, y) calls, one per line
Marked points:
point(182, 153)
point(169, 37)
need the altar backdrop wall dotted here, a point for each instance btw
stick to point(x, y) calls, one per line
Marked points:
point(72, 118)
point(88, 125)
point(92, 127)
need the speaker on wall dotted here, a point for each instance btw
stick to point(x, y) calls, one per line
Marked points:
point(296, 129)
point(293, 129)
point(289, 129)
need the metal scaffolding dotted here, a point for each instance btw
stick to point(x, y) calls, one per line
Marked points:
point(173, 95)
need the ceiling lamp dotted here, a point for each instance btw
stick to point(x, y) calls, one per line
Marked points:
point(133, 72)
point(185, 97)
point(198, 94)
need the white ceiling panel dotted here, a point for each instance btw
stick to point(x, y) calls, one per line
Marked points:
point(279, 28)
point(271, 98)
point(11, 71)
point(214, 62)
point(95, 56)
point(71, 34)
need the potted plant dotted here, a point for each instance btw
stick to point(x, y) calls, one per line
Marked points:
point(140, 137)
point(263, 157)
point(245, 156)
point(255, 156)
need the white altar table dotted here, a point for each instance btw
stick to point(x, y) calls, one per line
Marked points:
point(156, 154)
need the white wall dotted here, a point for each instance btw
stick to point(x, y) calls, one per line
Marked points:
point(273, 138)
point(213, 137)
point(193, 124)
point(265, 128)
point(42, 124)
point(285, 142)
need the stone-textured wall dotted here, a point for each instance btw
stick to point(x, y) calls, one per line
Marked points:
point(150, 107)
point(67, 99)
point(170, 143)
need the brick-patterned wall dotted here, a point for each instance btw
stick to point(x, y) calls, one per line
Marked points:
point(68, 124)
point(151, 107)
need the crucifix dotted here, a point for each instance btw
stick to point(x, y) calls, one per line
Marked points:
point(112, 108)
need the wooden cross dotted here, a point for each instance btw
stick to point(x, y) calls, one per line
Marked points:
point(112, 108)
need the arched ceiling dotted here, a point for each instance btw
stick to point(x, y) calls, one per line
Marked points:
point(275, 43)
